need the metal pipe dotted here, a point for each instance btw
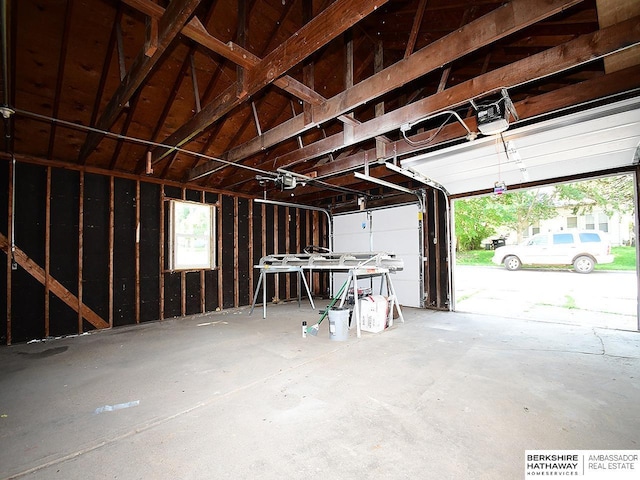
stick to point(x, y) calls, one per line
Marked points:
point(303, 207)
point(307, 207)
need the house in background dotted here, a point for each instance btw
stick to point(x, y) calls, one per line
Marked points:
point(619, 227)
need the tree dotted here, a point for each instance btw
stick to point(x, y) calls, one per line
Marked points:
point(475, 219)
point(525, 208)
point(479, 218)
point(612, 194)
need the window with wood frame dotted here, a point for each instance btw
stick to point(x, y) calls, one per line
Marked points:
point(191, 236)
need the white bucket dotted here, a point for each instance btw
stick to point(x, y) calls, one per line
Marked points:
point(339, 324)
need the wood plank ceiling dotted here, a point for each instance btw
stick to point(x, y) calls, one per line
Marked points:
point(223, 93)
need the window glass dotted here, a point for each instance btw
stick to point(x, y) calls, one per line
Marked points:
point(191, 240)
point(562, 238)
point(590, 222)
point(603, 222)
point(589, 237)
point(539, 240)
point(572, 222)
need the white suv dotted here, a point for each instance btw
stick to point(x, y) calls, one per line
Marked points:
point(580, 248)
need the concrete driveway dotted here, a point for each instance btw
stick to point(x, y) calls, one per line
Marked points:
point(601, 298)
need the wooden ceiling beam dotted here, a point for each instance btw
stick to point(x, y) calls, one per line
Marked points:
point(169, 26)
point(233, 52)
point(415, 29)
point(330, 23)
point(577, 94)
point(588, 90)
point(62, 60)
point(487, 29)
point(583, 49)
point(327, 25)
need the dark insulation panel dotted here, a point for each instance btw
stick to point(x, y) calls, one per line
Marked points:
point(211, 290)
point(124, 252)
point(27, 294)
point(173, 192)
point(211, 276)
point(293, 236)
point(65, 190)
point(257, 241)
point(193, 293)
point(30, 193)
point(193, 196)
point(95, 270)
point(304, 242)
point(172, 284)
point(63, 320)
point(244, 264)
point(3, 300)
point(172, 295)
point(282, 248)
point(149, 251)
point(4, 223)
point(228, 274)
point(269, 219)
point(27, 307)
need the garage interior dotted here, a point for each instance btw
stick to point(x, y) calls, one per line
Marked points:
point(281, 119)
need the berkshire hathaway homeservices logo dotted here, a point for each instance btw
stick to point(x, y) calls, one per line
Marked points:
point(583, 464)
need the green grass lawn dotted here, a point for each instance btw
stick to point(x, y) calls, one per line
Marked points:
point(624, 259)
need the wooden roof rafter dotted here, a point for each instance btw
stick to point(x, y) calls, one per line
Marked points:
point(169, 26)
point(338, 17)
point(512, 17)
point(560, 58)
point(61, 66)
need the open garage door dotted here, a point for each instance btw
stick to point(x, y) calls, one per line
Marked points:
point(527, 268)
point(599, 141)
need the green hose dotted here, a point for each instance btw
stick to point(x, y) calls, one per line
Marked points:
point(333, 301)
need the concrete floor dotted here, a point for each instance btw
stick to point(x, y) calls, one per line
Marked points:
point(228, 395)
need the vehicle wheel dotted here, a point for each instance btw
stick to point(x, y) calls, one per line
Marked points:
point(584, 264)
point(512, 262)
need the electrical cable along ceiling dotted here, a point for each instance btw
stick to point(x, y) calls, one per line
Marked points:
point(291, 97)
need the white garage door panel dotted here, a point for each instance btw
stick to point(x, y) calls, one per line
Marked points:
point(393, 230)
point(599, 139)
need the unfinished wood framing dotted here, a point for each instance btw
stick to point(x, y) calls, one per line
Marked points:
point(369, 72)
point(170, 25)
point(37, 272)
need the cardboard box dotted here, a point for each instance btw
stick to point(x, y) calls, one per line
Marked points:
point(374, 313)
